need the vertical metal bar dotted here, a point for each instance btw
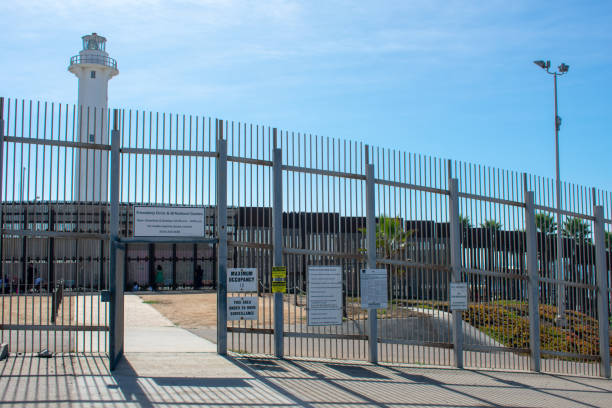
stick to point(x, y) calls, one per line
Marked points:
point(532, 270)
point(173, 266)
point(222, 236)
point(2, 275)
point(277, 230)
point(455, 245)
point(371, 248)
point(602, 291)
point(116, 280)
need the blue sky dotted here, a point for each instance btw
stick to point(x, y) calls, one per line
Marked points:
point(446, 78)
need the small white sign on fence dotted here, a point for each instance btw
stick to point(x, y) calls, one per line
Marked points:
point(458, 296)
point(242, 279)
point(242, 308)
point(324, 295)
point(157, 221)
point(373, 288)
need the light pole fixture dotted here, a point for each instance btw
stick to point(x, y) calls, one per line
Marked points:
point(561, 70)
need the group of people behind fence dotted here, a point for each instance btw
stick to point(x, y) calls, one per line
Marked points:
point(159, 282)
point(33, 281)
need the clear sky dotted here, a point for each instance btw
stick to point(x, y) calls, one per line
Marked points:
point(452, 79)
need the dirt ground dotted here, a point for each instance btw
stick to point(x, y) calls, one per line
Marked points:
point(34, 308)
point(195, 310)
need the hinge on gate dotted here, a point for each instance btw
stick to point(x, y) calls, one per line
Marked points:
point(105, 296)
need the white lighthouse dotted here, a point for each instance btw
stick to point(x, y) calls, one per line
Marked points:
point(94, 68)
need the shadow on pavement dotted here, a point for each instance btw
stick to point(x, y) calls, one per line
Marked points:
point(206, 379)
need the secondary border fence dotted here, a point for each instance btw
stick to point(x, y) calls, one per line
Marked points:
point(538, 279)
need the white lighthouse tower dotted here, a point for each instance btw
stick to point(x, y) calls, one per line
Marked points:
point(94, 68)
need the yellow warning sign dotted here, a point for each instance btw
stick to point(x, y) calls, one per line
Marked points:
point(279, 279)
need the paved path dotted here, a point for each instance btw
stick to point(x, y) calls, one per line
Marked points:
point(180, 369)
point(146, 330)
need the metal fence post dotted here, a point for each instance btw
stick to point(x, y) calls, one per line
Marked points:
point(116, 273)
point(2, 183)
point(455, 246)
point(602, 290)
point(222, 236)
point(371, 257)
point(277, 229)
point(534, 284)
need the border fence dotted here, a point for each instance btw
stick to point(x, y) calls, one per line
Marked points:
point(279, 198)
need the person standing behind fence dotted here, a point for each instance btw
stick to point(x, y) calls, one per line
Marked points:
point(197, 279)
point(159, 278)
point(30, 275)
point(38, 284)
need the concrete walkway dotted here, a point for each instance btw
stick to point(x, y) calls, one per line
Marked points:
point(147, 331)
point(165, 366)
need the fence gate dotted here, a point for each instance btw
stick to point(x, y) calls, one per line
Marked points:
point(55, 227)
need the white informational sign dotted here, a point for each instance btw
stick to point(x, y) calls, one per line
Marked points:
point(373, 288)
point(242, 308)
point(242, 279)
point(324, 295)
point(458, 296)
point(152, 221)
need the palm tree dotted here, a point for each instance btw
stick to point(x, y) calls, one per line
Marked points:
point(465, 225)
point(391, 241)
point(577, 228)
point(545, 223)
point(391, 238)
point(465, 222)
point(546, 226)
point(492, 227)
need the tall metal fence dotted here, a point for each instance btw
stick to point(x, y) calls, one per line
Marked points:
point(279, 198)
point(55, 250)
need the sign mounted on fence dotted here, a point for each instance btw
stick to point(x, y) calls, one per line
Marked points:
point(373, 288)
point(242, 308)
point(458, 296)
point(242, 279)
point(156, 221)
point(279, 279)
point(324, 295)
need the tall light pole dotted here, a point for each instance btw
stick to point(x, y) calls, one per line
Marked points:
point(562, 69)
